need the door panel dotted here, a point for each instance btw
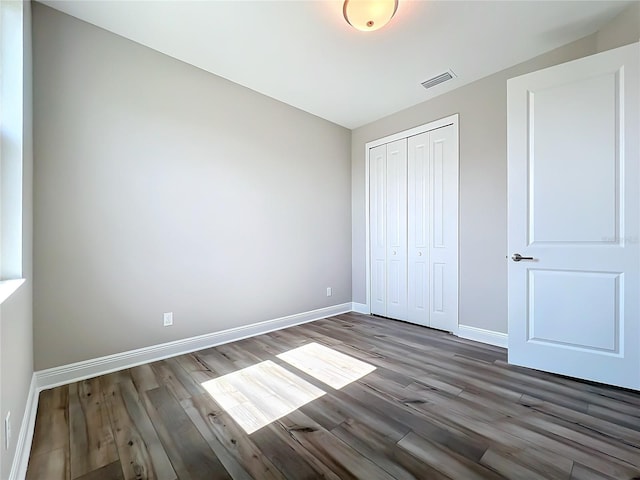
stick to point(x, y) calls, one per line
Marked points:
point(394, 282)
point(556, 314)
point(418, 196)
point(574, 208)
point(439, 288)
point(438, 192)
point(588, 211)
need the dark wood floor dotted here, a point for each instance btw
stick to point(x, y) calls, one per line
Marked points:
point(435, 407)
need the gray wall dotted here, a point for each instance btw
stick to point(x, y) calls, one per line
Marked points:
point(482, 106)
point(622, 30)
point(16, 333)
point(160, 187)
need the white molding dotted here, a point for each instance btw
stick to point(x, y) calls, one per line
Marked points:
point(74, 372)
point(442, 122)
point(485, 336)
point(367, 228)
point(360, 308)
point(25, 437)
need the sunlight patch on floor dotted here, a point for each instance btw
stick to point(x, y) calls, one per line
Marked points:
point(260, 394)
point(327, 365)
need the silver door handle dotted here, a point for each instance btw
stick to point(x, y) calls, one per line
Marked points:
point(517, 257)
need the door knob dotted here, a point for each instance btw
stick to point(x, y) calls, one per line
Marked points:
point(419, 254)
point(394, 252)
point(517, 257)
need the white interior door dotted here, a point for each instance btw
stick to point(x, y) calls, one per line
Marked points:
point(574, 203)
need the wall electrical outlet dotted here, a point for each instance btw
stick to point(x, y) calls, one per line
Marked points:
point(329, 292)
point(7, 431)
point(168, 319)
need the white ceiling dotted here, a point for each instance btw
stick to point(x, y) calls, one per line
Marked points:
point(303, 53)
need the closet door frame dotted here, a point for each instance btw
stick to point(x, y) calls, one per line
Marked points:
point(443, 122)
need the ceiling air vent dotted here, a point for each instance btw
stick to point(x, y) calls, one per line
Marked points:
point(438, 79)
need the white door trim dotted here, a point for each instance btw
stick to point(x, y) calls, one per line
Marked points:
point(443, 122)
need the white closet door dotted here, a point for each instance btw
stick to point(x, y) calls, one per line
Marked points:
point(418, 196)
point(443, 254)
point(413, 228)
point(377, 230)
point(396, 223)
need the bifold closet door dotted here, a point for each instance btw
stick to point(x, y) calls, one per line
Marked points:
point(396, 223)
point(432, 226)
point(413, 229)
point(377, 230)
point(418, 219)
point(443, 229)
point(388, 229)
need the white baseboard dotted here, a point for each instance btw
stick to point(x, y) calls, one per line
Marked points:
point(360, 308)
point(471, 333)
point(74, 372)
point(485, 336)
point(25, 437)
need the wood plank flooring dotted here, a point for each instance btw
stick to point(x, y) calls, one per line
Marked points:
point(435, 407)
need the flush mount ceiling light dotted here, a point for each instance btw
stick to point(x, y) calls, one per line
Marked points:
point(369, 15)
